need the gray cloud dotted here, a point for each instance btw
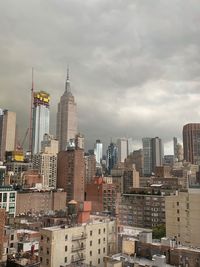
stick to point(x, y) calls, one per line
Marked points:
point(134, 64)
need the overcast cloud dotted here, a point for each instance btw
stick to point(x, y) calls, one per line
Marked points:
point(134, 64)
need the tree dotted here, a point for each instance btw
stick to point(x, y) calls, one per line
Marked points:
point(159, 231)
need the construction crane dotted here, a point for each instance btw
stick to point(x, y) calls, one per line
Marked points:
point(20, 144)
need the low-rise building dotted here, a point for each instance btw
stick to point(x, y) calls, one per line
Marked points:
point(86, 243)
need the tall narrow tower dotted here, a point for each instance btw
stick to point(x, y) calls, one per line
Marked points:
point(40, 119)
point(66, 117)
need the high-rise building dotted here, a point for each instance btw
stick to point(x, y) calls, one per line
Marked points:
point(7, 132)
point(40, 119)
point(71, 173)
point(122, 144)
point(175, 143)
point(98, 151)
point(182, 217)
point(90, 167)
point(66, 117)
point(153, 154)
point(46, 161)
point(112, 153)
point(191, 142)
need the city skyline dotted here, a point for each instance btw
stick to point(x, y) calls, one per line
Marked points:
point(143, 78)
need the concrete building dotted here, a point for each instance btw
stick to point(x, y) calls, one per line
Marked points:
point(153, 154)
point(49, 144)
point(182, 217)
point(191, 142)
point(7, 132)
point(90, 167)
point(43, 201)
point(71, 173)
point(88, 243)
point(67, 125)
point(102, 195)
point(137, 158)
point(40, 119)
point(122, 145)
point(143, 208)
point(131, 178)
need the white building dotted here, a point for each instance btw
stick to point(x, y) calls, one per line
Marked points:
point(122, 144)
point(8, 200)
point(98, 151)
point(87, 243)
point(40, 119)
point(46, 162)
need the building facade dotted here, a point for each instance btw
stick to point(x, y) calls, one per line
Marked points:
point(40, 119)
point(71, 173)
point(88, 243)
point(7, 132)
point(112, 157)
point(191, 142)
point(182, 217)
point(8, 200)
point(46, 161)
point(122, 144)
point(153, 154)
point(141, 210)
point(67, 125)
point(98, 151)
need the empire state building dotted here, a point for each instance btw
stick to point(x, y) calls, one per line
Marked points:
point(66, 117)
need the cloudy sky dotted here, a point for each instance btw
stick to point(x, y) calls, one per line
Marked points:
point(134, 64)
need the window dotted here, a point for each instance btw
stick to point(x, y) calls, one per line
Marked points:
point(178, 211)
point(177, 203)
point(12, 237)
point(99, 251)
point(90, 263)
point(41, 237)
point(90, 243)
point(65, 248)
point(99, 241)
point(104, 240)
point(47, 261)
point(47, 251)
point(40, 259)
point(90, 233)
point(4, 197)
point(104, 250)
point(99, 231)
point(41, 248)
point(65, 259)
point(47, 239)
point(178, 219)
point(66, 237)
point(104, 230)
point(90, 253)
point(99, 261)
point(11, 245)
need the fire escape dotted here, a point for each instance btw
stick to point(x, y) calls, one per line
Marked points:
point(78, 247)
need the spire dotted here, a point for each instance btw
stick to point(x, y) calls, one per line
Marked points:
point(67, 84)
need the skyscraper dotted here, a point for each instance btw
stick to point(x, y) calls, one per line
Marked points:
point(111, 159)
point(191, 142)
point(40, 119)
point(7, 132)
point(71, 173)
point(122, 144)
point(66, 117)
point(153, 154)
point(98, 151)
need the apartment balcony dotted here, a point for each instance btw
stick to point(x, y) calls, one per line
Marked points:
point(77, 259)
point(74, 249)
